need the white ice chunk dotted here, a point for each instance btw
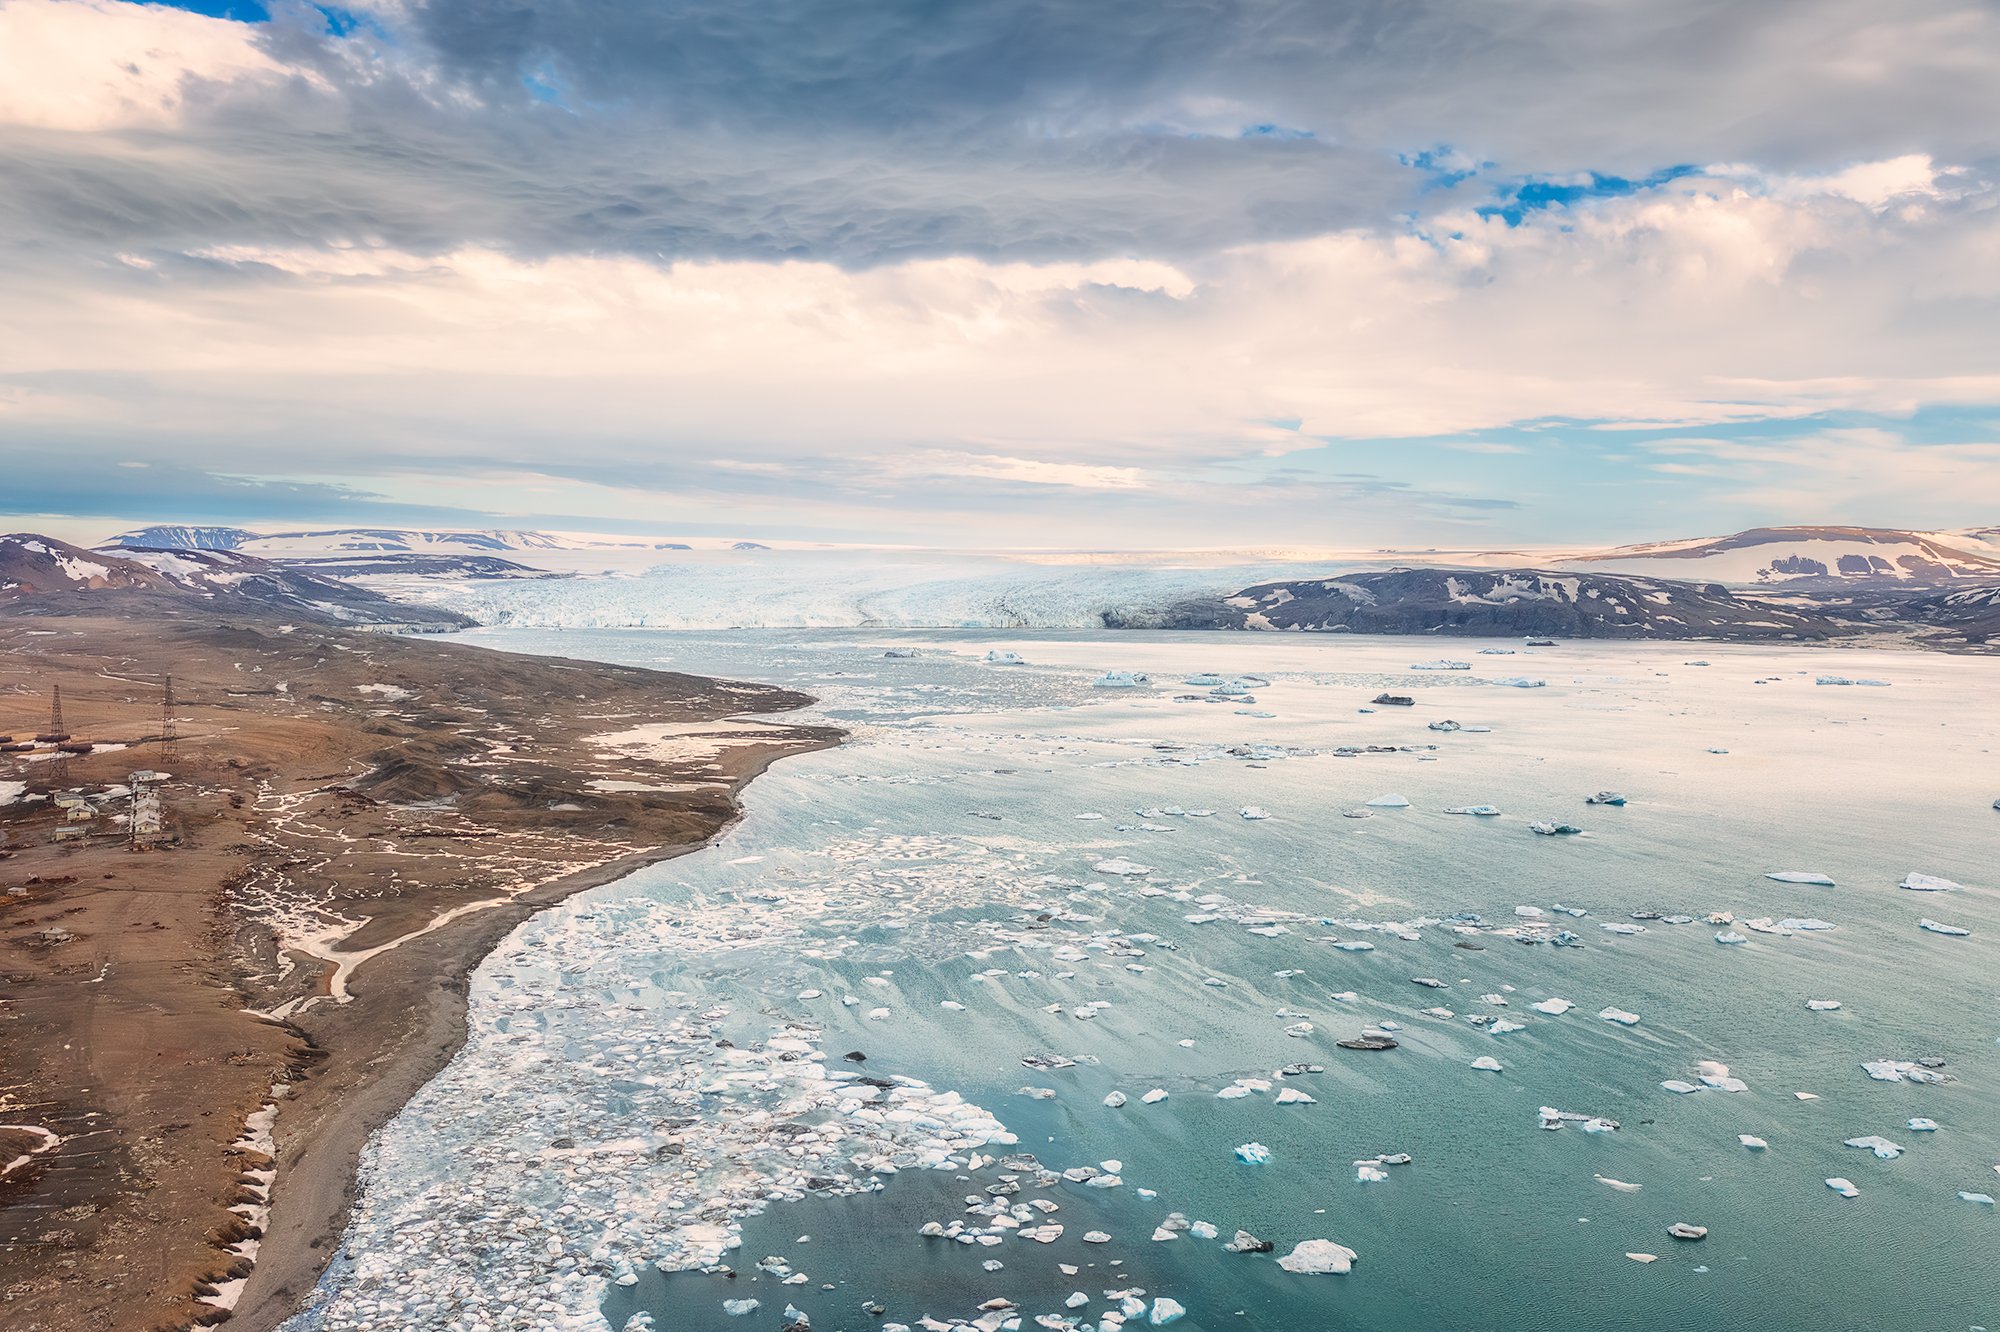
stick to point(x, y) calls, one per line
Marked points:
point(1882, 1147)
point(1317, 1256)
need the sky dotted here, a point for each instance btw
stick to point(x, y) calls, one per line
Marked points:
point(1004, 273)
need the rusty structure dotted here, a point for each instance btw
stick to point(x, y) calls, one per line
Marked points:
point(58, 769)
point(168, 733)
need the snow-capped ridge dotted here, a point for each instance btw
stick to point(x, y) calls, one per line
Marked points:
point(1805, 556)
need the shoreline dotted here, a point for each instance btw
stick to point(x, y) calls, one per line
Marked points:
point(318, 1174)
point(212, 1024)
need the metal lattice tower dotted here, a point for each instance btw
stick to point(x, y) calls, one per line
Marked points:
point(168, 734)
point(59, 764)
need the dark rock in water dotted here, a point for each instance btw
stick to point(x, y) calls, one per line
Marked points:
point(1470, 947)
point(855, 1057)
point(1245, 1242)
point(562, 1144)
point(796, 1325)
point(1681, 1230)
point(875, 1308)
point(1931, 1061)
point(884, 1084)
point(1394, 701)
point(1368, 1041)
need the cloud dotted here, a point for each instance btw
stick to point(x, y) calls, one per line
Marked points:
point(1860, 475)
point(80, 65)
point(1019, 255)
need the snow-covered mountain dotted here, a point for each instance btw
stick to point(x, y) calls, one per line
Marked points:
point(41, 575)
point(1984, 540)
point(1804, 557)
point(1488, 602)
point(182, 537)
point(427, 552)
point(32, 566)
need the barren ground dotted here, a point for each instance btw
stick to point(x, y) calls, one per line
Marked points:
point(355, 820)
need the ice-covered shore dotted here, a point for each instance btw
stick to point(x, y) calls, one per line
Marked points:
point(682, 1133)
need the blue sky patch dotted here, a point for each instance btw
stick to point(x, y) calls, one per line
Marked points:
point(241, 11)
point(1532, 195)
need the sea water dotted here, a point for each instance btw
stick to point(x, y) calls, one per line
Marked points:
point(656, 1074)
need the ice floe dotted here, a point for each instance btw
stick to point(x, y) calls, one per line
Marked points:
point(1317, 1257)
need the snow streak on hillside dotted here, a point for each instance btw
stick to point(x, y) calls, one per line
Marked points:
point(780, 589)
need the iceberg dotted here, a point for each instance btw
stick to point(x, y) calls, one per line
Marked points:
point(1620, 1016)
point(1550, 828)
point(1443, 664)
point(1752, 1141)
point(1801, 876)
point(1884, 1149)
point(1253, 1153)
point(1938, 927)
point(1604, 798)
point(1729, 937)
point(1391, 801)
point(1844, 1187)
point(1002, 657)
point(1121, 866)
point(1929, 883)
point(1554, 1007)
point(1483, 811)
point(1120, 680)
point(1922, 1125)
point(1486, 1064)
point(1254, 812)
point(1983, 1199)
point(1823, 1005)
point(1316, 1257)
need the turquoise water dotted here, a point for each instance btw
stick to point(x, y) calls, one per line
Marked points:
point(876, 871)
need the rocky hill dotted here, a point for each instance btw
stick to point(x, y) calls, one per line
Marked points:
point(42, 576)
point(1504, 602)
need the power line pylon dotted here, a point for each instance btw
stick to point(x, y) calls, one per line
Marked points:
point(168, 734)
point(59, 762)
